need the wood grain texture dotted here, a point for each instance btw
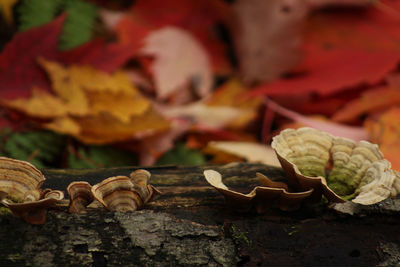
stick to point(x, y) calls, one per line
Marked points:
point(190, 225)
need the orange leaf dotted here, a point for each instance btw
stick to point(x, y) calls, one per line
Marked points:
point(385, 131)
point(233, 94)
point(105, 128)
point(373, 100)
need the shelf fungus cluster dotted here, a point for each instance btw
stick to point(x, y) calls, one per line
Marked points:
point(336, 167)
point(318, 164)
point(117, 193)
point(20, 191)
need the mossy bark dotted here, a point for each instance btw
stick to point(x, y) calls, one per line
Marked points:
point(189, 225)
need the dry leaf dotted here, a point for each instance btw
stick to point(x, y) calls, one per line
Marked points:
point(267, 36)
point(354, 133)
point(252, 152)
point(342, 50)
point(203, 115)
point(83, 91)
point(66, 87)
point(91, 105)
point(41, 104)
point(200, 18)
point(179, 62)
point(233, 94)
point(385, 131)
point(152, 147)
point(376, 99)
point(105, 128)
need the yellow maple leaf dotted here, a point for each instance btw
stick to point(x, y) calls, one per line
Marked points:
point(105, 128)
point(94, 106)
point(66, 87)
point(41, 104)
point(119, 104)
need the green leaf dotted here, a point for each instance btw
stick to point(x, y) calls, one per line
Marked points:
point(78, 27)
point(33, 13)
point(100, 157)
point(181, 155)
point(42, 149)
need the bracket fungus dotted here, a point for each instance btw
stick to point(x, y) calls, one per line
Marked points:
point(80, 196)
point(261, 197)
point(336, 167)
point(122, 193)
point(20, 184)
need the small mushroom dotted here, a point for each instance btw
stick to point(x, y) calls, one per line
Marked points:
point(262, 197)
point(140, 180)
point(18, 177)
point(20, 184)
point(122, 193)
point(116, 194)
point(34, 212)
point(80, 196)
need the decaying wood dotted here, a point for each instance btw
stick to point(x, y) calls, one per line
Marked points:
point(189, 225)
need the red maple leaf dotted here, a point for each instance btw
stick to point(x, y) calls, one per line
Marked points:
point(19, 71)
point(197, 17)
point(99, 54)
point(343, 50)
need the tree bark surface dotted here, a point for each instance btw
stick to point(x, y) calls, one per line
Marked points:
point(190, 225)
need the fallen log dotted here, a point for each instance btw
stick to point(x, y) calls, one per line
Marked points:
point(190, 225)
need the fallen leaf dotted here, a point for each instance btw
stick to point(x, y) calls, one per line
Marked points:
point(66, 87)
point(233, 94)
point(41, 105)
point(198, 17)
point(105, 128)
point(324, 3)
point(252, 152)
point(199, 138)
point(179, 61)
point(373, 100)
point(202, 115)
point(152, 147)
point(267, 35)
point(83, 91)
point(103, 56)
point(92, 105)
point(342, 50)
point(6, 7)
point(385, 131)
point(351, 132)
point(19, 71)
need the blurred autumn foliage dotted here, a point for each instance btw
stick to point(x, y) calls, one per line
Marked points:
point(99, 83)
